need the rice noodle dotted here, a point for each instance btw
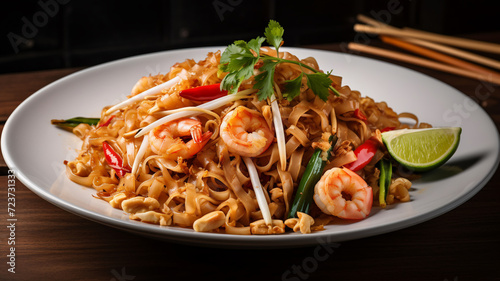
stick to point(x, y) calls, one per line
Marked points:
point(211, 190)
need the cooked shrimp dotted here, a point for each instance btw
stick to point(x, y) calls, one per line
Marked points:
point(246, 132)
point(167, 141)
point(342, 193)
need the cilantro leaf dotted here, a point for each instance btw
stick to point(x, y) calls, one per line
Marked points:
point(319, 83)
point(264, 80)
point(255, 44)
point(274, 34)
point(239, 61)
point(231, 50)
point(292, 87)
point(233, 80)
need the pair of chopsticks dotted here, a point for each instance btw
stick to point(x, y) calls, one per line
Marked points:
point(434, 46)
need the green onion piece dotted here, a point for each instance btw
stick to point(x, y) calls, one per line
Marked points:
point(69, 124)
point(385, 167)
point(312, 174)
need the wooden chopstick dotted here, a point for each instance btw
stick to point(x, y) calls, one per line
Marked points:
point(455, 52)
point(437, 56)
point(435, 46)
point(449, 40)
point(423, 62)
point(373, 22)
point(491, 75)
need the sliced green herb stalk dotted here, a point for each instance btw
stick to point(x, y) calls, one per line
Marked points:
point(385, 167)
point(312, 174)
point(69, 124)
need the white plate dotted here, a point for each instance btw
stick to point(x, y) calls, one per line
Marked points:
point(36, 150)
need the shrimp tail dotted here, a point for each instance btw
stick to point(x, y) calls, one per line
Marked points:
point(196, 133)
point(205, 137)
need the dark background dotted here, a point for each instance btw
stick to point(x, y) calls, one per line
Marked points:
point(48, 34)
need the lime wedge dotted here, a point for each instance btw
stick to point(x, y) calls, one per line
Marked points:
point(421, 150)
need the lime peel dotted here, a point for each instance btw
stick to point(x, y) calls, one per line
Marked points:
point(422, 150)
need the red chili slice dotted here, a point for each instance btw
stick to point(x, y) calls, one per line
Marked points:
point(358, 114)
point(114, 160)
point(107, 122)
point(203, 93)
point(387, 129)
point(364, 154)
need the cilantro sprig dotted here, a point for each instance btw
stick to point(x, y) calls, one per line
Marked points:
point(239, 60)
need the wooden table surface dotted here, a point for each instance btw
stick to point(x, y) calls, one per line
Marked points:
point(52, 244)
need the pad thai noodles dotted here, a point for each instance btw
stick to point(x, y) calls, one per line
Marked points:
point(191, 148)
